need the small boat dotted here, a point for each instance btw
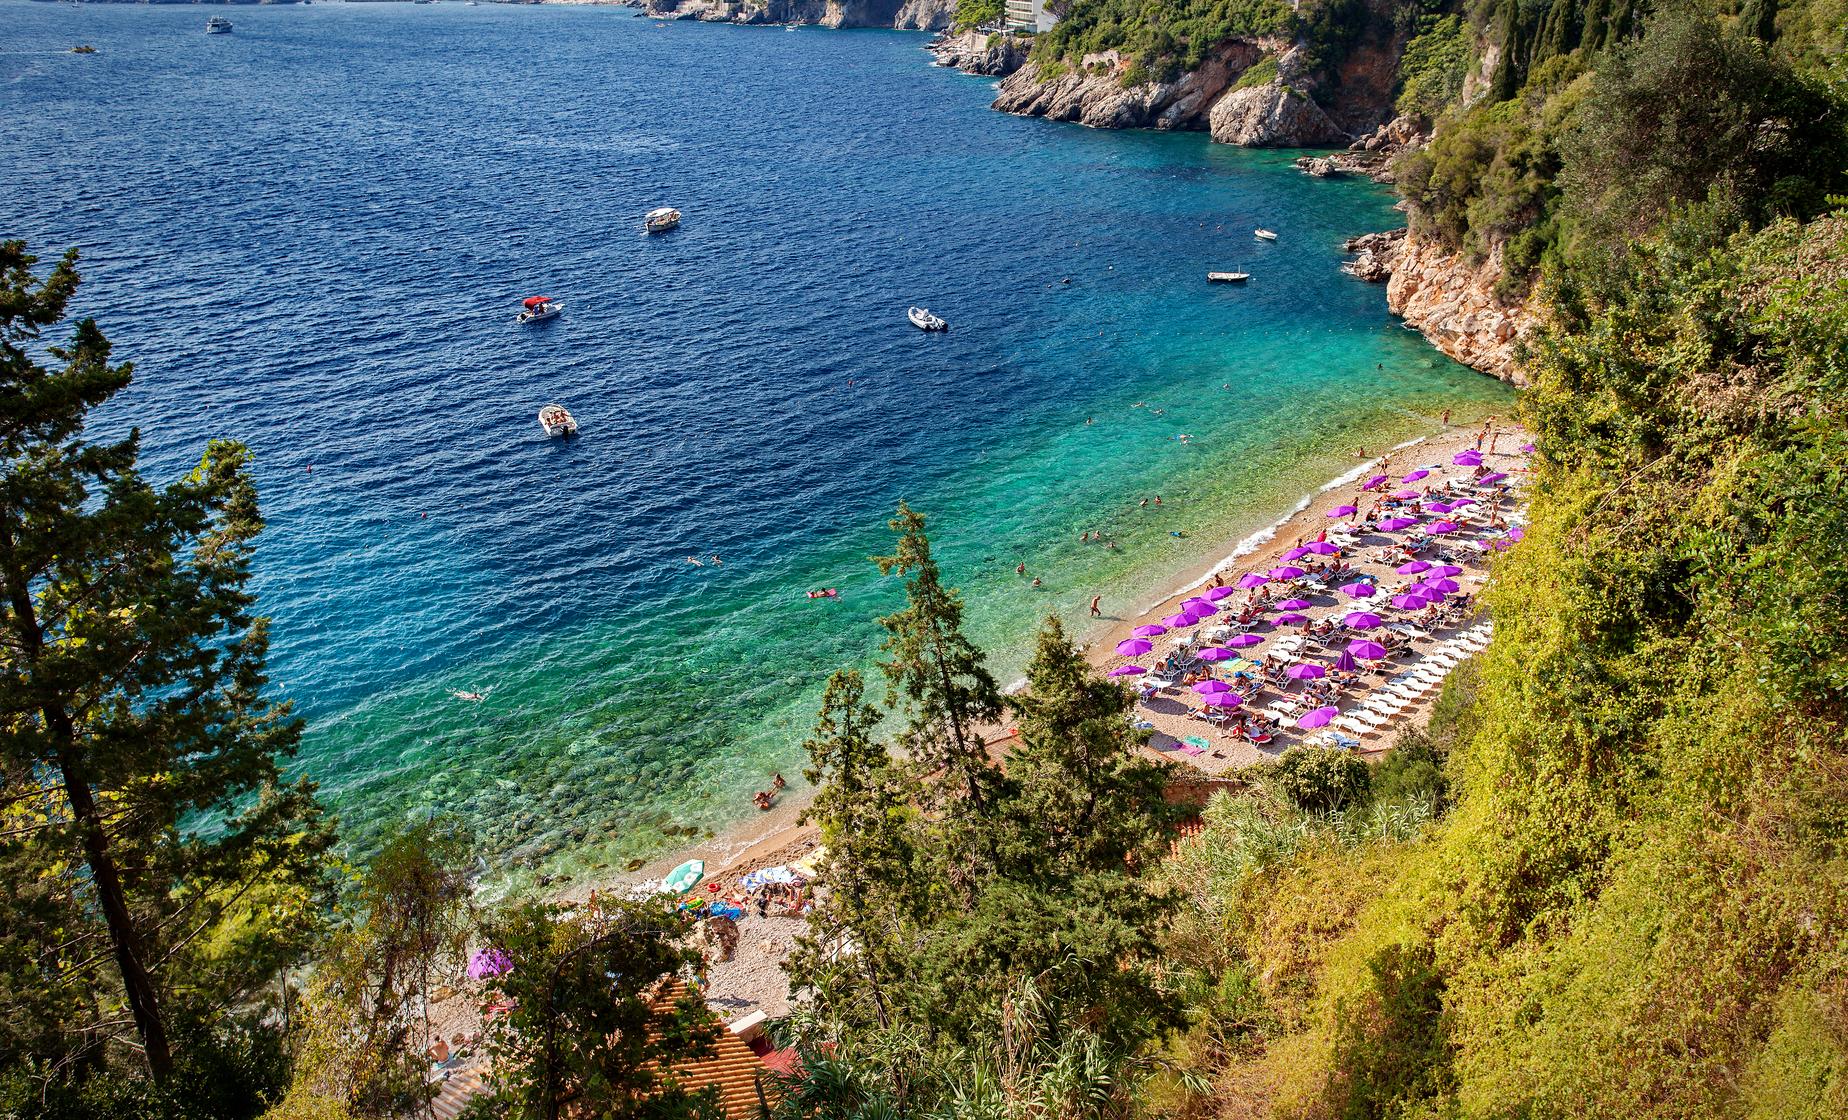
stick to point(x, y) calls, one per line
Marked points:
point(218, 25)
point(1264, 234)
point(661, 219)
point(1228, 277)
point(923, 320)
point(83, 48)
point(557, 422)
point(538, 309)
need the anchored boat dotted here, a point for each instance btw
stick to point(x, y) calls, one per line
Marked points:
point(661, 219)
point(557, 421)
point(538, 309)
point(923, 320)
point(1264, 234)
point(1228, 277)
point(218, 25)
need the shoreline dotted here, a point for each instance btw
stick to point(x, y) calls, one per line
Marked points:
point(775, 836)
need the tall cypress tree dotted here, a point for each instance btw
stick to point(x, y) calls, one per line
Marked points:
point(1505, 81)
point(131, 694)
point(1759, 20)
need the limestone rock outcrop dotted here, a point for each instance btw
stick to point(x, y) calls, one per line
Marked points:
point(979, 52)
point(1272, 115)
point(1374, 254)
point(927, 15)
point(1454, 305)
point(1095, 95)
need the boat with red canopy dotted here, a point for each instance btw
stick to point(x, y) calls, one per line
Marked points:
point(538, 309)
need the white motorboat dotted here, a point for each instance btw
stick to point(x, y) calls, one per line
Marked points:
point(661, 219)
point(218, 25)
point(537, 309)
point(557, 421)
point(1228, 277)
point(1264, 234)
point(923, 320)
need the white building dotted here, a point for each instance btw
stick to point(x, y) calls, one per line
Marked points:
point(1029, 15)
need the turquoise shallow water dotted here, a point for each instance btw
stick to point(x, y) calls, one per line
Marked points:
point(311, 235)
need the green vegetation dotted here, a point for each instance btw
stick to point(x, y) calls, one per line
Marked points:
point(979, 13)
point(1433, 68)
point(1165, 38)
point(988, 943)
point(1262, 73)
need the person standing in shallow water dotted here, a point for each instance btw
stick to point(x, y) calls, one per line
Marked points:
point(1097, 609)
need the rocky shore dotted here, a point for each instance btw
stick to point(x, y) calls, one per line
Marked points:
point(982, 53)
point(1451, 301)
point(904, 15)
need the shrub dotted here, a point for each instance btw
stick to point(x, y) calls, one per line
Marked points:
point(1322, 781)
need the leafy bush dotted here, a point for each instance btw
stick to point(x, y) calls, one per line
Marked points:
point(1262, 73)
point(1179, 30)
point(1322, 781)
point(976, 13)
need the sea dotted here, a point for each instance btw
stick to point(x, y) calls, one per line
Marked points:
point(312, 235)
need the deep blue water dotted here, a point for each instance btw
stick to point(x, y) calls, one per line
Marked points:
point(312, 235)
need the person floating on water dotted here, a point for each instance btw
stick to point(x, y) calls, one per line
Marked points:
point(1020, 569)
point(694, 560)
point(472, 697)
point(717, 563)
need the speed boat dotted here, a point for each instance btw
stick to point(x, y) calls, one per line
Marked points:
point(1264, 234)
point(218, 25)
point(923, 320)
point(661, 219)
point(1228, 277)
point(538, 309)
point(557, 421)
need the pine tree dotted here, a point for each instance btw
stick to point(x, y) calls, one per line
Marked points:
point(1087, 801)
point(132, 714)
point(938, 676)
point(1560, 33)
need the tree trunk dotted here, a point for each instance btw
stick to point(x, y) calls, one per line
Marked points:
point(142, 999)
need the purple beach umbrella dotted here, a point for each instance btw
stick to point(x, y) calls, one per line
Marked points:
point(1411, 601)
point(1289, 618)
point(1224, 700)
point(1321, 548)
point(1246, 641)
point(1294, 605)
point(1412, 568)
point(1296, 553)
point(1446, 570)
point(1134, 647)
point(1431, 594)
point(1467, 458)
point(1442, 527)
point(1209, 687)
point(1369, 651)
point(1405, 495)
point(1394, 524)
point(1517, 534)
point(1305, 672)
point(1179, 620)
point(1414, 476)
point(1287, 571)
point(1527, 449)
point(1201, 609)
point(1219, 593)
point(1342, 511)
point(1373, 482)
point(1441, 584)
point(1491, 479)
point(1461, 503)
point(1359, 590)
point(1125, 671)
point(1149, 630)
point(1252, 579)
point(488, 963)
point(1345, 663)
point(1317, 718)
point(1214, 653)
point(1364, 620)
point(1438, 507)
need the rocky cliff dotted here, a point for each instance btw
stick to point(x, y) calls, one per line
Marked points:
point(980, 52)
point(922, 15)
point(1095, 95)
point(1450, 301)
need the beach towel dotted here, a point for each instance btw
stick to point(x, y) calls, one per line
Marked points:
point(1193, 745)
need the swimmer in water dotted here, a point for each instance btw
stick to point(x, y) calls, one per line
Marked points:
point(716, 561)
point(1036, 581)
point(694, 560)
point(1020, 569)
point(472, 697)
